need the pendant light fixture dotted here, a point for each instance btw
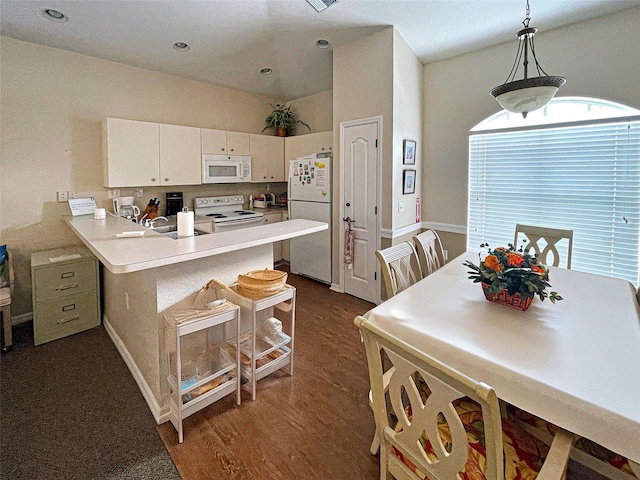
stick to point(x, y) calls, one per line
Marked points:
point(529, 94)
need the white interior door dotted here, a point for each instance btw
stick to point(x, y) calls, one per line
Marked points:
point(360, 180)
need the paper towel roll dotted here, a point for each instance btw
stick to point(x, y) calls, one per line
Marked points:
point(185, 223)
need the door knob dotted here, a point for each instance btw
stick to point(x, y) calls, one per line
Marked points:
point(348, 204)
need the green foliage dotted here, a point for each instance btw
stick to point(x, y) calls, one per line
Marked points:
point(283, 117)
point(514, 270)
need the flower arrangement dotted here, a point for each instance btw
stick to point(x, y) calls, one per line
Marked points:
point(515, 271)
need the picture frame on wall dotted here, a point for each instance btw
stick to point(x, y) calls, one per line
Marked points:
point(409, 152)
point(408, 182)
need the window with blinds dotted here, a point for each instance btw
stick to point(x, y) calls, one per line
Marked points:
point(583, 176)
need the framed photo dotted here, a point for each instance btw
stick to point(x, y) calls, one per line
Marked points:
point(409, 152)
point(408, 182)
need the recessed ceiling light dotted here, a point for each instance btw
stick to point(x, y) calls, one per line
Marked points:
point(266, 71)
point(54, 15)
point(181, 46)
point(322, 43)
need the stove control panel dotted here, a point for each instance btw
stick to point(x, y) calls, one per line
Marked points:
point(219, 201)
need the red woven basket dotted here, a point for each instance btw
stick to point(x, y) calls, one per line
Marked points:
point(503, 298)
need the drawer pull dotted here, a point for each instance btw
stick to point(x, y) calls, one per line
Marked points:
point(68, 275)
point(67, 287)
point(65, 320)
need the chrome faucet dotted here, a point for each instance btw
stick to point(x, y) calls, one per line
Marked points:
point(149, 222)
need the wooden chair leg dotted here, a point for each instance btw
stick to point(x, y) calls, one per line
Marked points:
point(6, 326)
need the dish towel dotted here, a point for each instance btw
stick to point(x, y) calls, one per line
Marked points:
point(349, 237)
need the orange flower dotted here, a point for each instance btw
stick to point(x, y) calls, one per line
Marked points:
point(515, 259)
point(537, 268)
point(493, 263)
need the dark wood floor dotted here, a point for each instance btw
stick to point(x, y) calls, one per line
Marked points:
point(314, 424)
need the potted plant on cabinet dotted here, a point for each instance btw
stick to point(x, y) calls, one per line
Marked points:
point(283, 120)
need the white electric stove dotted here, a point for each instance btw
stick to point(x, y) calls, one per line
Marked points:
point(227, 212)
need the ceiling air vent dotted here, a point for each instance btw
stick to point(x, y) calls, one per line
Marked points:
point(320, 5)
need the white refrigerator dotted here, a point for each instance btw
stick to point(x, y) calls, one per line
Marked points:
point(309, 197)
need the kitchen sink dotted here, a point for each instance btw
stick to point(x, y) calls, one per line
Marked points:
point(172, 231)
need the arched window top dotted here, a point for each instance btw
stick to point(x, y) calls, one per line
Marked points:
point(559, 110)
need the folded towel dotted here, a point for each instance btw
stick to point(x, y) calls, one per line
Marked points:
point(349, 237)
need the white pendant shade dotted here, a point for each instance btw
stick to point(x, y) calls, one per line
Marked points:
point(526, 100)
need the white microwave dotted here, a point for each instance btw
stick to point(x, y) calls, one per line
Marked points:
point(226, 168)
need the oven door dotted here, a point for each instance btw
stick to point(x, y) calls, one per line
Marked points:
point(237, 224)
point(221, 169)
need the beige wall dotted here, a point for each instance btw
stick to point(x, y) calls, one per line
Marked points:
point(52, 104)
point(407, 124)
point(316, 111)
point(599, 58)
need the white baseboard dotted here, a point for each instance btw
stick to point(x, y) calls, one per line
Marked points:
point(159, 414)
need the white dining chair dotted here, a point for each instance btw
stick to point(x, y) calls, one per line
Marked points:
point(399, 266)
point(543, 242)
point(400, 269)
point(443, 417)
point(595, 457)
point(430, 253)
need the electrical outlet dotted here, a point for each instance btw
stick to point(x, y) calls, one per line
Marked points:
point(114, 193)
point(268, 187)
point(446, 255)
point(63, 196)
point(401, 207)
point(72, 195)
point(139, 192)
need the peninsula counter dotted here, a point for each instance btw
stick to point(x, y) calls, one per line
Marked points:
point(144, 276)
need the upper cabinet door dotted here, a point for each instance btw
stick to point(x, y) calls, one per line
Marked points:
point(213, 141)
point(301, 145)
point(238, 143)
point(267, 158)
point(222, 142)
point(180, 158)
point(131, 150)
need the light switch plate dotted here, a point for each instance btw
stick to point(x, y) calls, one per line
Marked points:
point(400, 207)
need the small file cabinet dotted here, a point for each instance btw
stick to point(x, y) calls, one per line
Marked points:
point(65, 292)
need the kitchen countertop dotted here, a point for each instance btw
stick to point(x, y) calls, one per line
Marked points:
point(124, 255)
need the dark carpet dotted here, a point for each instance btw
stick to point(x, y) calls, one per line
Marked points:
point(70, 409)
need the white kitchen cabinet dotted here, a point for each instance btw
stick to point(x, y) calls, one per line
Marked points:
point(277, 246)
point(267, 158)
point(138, 154)
point(131, 153)
point(180, 159)
point(223, 142)
point(301, 145)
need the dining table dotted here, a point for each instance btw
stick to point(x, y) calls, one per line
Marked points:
point(574, 363)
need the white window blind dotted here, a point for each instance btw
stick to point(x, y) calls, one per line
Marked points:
point(584, 177)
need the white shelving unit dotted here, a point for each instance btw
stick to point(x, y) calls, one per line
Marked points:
point(205, 359)
point(260, 358)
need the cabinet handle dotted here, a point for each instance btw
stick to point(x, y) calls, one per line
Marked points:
point(153, 179)
point(232, 149)
point(67, 287)
point(222, 149)
point(70, 319)
point(166, 179)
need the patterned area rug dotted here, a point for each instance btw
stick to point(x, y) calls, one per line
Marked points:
point(70, 409)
